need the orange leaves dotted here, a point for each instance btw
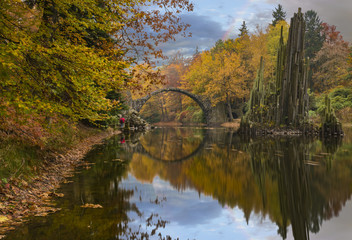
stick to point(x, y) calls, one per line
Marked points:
point(90, 205)
point(330, 33)
point(332, 67)
point(331, 61)
point(148, 23)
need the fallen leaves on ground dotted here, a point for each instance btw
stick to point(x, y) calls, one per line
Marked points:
point(118, 160)
point(54, 194)
point(21, 199)
point(90, 205)
point(3, 218)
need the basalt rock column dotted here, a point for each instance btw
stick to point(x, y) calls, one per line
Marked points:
point(292, 94)
point(286, 103)
point(330, 124)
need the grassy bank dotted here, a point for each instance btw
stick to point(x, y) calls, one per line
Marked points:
point(30, 174)
point(20, 157)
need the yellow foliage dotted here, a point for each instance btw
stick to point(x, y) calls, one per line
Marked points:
point(228, 70)
point(220, 74)
point(68, 57)
point(145, 80)
point(3, 218)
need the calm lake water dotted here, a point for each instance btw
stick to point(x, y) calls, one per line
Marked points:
point(197, 183)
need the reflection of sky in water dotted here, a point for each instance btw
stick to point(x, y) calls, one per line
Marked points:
point(338, 227)
point(194, 216)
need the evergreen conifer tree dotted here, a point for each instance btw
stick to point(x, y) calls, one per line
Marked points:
point(314, 38)
point(278, 14)
point(243, 30)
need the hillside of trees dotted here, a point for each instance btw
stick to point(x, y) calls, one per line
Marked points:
point(225, 73)
point(68, 62)
point(65, 66)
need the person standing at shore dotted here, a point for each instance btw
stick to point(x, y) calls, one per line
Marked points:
point(122, 122)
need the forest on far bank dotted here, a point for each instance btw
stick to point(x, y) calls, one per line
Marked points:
point(72, 62)
point(225, 73)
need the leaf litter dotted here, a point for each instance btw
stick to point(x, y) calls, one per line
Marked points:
point(20, 199)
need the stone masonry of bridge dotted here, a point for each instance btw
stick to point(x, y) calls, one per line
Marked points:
point(210, 113)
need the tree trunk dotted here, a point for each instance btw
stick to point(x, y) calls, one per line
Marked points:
point(229, 107)
point(162, 109)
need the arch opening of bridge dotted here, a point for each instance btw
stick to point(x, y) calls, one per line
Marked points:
point(144, 149)
point(203, 103)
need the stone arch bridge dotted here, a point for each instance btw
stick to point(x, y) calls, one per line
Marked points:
point(211, 114)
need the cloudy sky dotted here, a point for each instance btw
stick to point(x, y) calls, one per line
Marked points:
point(212, 20)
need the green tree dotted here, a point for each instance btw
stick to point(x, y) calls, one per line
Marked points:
point(349, 76)
point(243, 30)
point(314, 38)
point(219, 46)
point(278, 14)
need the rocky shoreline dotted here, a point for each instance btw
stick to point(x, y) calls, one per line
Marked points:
point(256, 129)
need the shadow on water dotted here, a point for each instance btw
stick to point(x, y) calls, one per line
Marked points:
point(298, 183)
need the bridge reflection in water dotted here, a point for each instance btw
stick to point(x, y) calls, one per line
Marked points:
point(296, 186)
point(173, 144)
point(294, 180)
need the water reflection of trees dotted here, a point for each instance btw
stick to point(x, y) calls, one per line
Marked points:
point(100, 184)
point(285, 162)
point(294, 181)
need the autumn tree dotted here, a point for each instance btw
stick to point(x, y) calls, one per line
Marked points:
point(228, 82)
point(61, 58)
point(172, 103)
point(227, 71)
point(198, 74)
point(173, 73)
point(278, 14)
point(273, 41)
point(331, 61)
point(332, 70)
point(330, 33)
point(219, 75)
point(167, 106)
